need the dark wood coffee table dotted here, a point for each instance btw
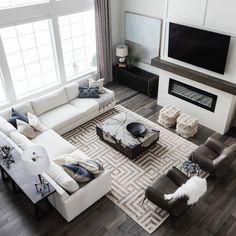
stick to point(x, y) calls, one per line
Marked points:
point(113, 131)
point(19, 180)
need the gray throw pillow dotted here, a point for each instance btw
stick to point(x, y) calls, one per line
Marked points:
point(86, 92)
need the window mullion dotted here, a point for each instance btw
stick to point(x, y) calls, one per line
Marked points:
point(58, 48)
point(7, 80)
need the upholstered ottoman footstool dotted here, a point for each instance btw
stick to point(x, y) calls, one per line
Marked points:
point(168, 116)
point(187, 126)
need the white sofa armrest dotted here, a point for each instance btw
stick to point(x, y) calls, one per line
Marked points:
point(108, 91)
point(85, 196)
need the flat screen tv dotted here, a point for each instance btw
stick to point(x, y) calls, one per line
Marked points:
point(198, 47)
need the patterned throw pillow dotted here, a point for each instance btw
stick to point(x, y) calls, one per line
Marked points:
point(97, 83)
point(35, 122)
point(93, 166)
point(17, 115)
point(25, 129)
point(78, 173)
point(86, 92)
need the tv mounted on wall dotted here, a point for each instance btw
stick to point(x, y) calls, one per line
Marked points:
point(198, 47)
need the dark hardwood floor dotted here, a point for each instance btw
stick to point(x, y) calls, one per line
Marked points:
point(214, 214)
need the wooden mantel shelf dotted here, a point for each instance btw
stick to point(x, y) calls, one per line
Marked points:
point(209, 80)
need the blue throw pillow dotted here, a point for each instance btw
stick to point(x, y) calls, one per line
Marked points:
point(78, 173)
point(88, 92)
point(16, 115)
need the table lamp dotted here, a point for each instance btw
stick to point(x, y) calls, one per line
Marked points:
point(35, 162)
point(122, 53)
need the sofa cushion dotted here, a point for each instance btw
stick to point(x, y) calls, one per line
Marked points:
point(78, 173)
point(84, 82)
point(72, 90)
point(49, 101)
point(22, 107)
point(17, 115)
point(86, 92)
point(85, 105)
point(60, 117)
point(62, 178)
point(20, 140)
point(53, 143)
point(6, 127)
point(25, 129)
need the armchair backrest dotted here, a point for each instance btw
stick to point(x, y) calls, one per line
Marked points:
point(227, 156)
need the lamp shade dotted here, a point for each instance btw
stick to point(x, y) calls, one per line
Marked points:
point(121, 50)
point(35, 160)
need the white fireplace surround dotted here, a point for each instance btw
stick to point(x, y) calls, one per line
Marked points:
point(220, 120)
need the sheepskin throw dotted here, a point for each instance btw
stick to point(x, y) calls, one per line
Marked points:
point(194, 189)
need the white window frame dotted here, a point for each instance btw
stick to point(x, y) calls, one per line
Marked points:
point(26, 14)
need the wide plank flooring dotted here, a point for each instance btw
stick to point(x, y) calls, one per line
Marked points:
point(214, 214)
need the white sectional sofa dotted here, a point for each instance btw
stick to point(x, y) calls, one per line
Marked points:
point(62, 111)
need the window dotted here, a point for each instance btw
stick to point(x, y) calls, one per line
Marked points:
point(78, 43)
point(43, 43)
point(2, 93)
point(30, 57)
point(18, 3)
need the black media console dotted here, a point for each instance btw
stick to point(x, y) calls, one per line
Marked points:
point(137, 79)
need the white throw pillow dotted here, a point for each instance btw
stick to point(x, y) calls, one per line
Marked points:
point(97, 83)
point(25, 129)
point(20, 140)
point(66, 159)
point(6, 127)
point(35, 122)
point(58, 174)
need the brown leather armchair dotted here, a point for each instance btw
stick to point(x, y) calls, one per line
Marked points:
point(167, 184)
point(214, 157)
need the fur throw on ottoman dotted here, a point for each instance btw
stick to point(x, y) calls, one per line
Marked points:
point(194, 189)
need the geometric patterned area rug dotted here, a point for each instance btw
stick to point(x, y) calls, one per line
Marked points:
point(130, 178)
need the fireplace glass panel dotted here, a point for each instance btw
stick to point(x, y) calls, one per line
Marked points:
point(193, 95)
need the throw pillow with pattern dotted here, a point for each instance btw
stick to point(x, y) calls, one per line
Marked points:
point(25, 129)
point(97, 83)
point(78, 173)
point(86, 92)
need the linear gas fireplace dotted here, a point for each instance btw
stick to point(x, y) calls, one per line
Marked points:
point(193, 95)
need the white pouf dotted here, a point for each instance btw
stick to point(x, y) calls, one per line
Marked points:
point(187, 126)
point(168, 116)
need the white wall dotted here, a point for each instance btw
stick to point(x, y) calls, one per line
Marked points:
point(214, 15)
point(154, 8)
